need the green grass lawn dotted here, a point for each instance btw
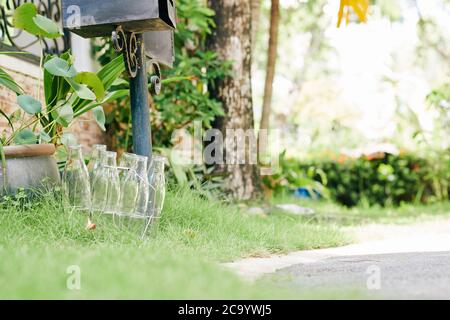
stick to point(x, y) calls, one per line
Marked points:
point(40, 241)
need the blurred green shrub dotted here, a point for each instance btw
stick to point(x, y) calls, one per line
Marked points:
point(291, 176)
point(381, 179)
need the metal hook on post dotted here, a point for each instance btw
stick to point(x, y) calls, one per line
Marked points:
point(155, 80)
point(129, 44)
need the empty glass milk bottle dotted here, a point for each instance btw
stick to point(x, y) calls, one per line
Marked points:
point(129, 184)
point(100, 182)
point(76, 184)
point(157, 183)
point(112, 200)
point(105, 184)
point(143, 189)
point(95, 160)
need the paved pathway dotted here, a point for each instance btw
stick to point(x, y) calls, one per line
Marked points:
point(423, 275)
point(388, 262)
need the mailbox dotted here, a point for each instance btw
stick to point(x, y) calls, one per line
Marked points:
point(139, 29)
point(156, 19)
point(98, 18)
point(159, 46)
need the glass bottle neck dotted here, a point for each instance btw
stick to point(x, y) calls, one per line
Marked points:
point(75, 153)
point(141, 166)
point(157, 165)
point(110, 159)
point(128, 161)
point(97, 150)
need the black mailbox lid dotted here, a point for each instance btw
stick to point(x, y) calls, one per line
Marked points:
point(99, 18)
point(159, 46)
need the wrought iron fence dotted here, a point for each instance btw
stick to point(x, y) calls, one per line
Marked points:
point(14, 39)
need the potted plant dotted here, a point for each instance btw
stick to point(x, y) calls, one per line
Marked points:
point(39, 127)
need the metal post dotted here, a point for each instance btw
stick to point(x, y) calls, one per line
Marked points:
point(140, 114)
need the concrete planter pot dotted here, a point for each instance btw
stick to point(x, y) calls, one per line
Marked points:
point(29, 167)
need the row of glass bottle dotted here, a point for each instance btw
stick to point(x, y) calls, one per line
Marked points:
point(131, 189)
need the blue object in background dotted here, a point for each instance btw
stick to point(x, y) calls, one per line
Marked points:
point(304, 193)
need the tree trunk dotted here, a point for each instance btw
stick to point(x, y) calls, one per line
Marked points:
point(271, 64)
point(232, 42)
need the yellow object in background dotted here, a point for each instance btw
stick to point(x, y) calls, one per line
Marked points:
point(360, 7)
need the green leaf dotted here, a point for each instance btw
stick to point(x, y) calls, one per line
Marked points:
point(112, 71)
point(63, 114)
point(50, 28)
point(114, 95)
point(23, 18)
point(7, 81)
point(26, 136)
point(81, 90)
point(68, 139)
point(107, 75)
point(29, 104)
point(92, 81)
point(59, 67)
point(49, 84)
point(121, 82)
point(110, 97)
point(206, 11)
point(99, 116)
point(26, 18)
point(43, 136)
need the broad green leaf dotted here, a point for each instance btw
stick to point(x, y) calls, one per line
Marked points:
point(68, 139)
point(92, 81)
point(81, 90)
point(60, 67)
point(25, 136)
point(7, 81)
point(43, 136)
point(29, 104)
point(23, 18)
point(108, 74)
point(63, 114)
point(56, 88)
point(49, 27)
point(99, 116)
point(26, 18)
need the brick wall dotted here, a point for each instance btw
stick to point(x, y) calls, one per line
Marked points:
point(27, 74)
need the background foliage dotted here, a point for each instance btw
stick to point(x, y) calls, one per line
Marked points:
point(381, 179)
